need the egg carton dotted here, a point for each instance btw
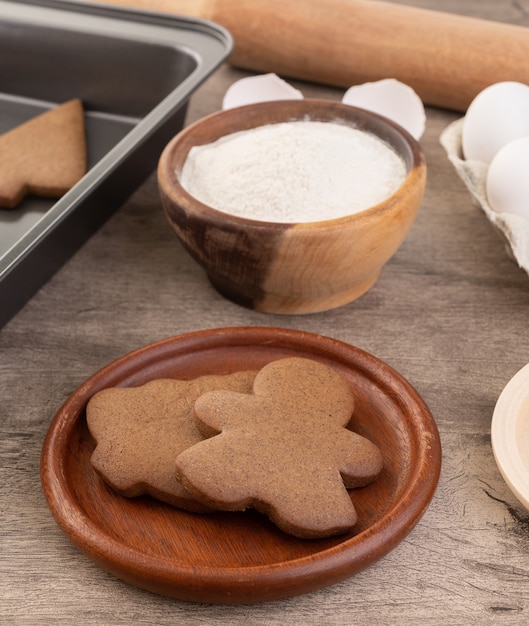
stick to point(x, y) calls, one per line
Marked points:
point(513, 229)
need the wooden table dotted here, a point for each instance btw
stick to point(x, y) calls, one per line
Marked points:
point(450, 313)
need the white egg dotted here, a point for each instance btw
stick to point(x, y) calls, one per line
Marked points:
point(508, 179)
point(261, 88)
point(497, 115)
point(392, 99)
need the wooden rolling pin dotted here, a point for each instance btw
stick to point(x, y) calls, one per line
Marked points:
point(448, 59)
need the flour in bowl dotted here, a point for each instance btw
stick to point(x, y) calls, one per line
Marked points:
point(300, 171)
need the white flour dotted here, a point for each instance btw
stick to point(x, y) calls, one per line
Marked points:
point(293, 172)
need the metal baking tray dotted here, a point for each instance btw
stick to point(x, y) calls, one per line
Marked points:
point(134, 72)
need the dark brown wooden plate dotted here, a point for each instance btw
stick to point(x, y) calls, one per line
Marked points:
point(241, 557)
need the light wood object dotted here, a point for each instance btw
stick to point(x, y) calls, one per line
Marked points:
point(448, 59)
point(282, 267)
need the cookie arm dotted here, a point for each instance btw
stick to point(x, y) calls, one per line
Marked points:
point(360, 460)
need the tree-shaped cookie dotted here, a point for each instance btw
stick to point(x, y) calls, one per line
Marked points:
point(283, 449)
point(139, 432)
point(45, 156)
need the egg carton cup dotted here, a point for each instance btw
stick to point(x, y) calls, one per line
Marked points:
point(513, 229)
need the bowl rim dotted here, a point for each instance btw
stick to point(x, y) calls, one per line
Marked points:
point(170, 186)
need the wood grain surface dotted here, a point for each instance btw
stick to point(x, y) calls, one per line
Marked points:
point(450, 313)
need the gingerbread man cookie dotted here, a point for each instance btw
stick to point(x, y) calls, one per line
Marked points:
point(283, 449)
point(139, 432)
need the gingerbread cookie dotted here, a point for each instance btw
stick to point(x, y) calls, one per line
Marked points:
point(282, 449)
point(45, 156)
point(139, 432)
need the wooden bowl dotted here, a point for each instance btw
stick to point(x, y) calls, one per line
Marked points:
point(510, 435)
point(241, 557)
point(291, 268)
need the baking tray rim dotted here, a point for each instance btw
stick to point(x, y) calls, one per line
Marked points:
point(146, 125)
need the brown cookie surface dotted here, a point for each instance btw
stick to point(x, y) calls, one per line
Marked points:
point(45, 156)
point(139, 432)
point(282, 449)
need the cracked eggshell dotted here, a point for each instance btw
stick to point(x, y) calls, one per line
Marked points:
point(392, 99)
point(262, 88)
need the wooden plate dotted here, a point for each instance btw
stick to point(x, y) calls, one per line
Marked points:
point(241, 557)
